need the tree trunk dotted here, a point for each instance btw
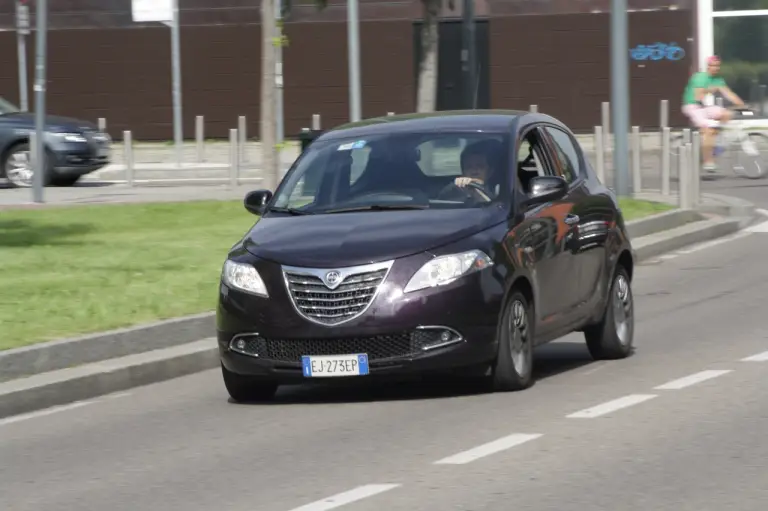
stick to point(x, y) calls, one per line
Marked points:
point(269, 162)
point(427, 95)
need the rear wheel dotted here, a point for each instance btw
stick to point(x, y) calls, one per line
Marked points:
point(245, 389)
point(613, 336)
point(513, 368)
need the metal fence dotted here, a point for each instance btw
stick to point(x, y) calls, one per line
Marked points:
point(656, 163)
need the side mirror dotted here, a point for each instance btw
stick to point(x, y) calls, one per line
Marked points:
point(256, 201)
point(546, 188)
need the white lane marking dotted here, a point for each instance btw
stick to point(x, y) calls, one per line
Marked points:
point(493, 447)
point(761, 227)
point(43, 413)
point(760, 357)
point(340, 499)
point(611, 406)
point(56, 409)
point(693, 379)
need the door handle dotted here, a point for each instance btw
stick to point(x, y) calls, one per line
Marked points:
point(571, 219)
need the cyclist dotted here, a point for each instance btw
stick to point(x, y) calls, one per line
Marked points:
point(699, 106)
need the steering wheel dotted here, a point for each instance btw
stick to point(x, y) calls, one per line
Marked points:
point(451, 187)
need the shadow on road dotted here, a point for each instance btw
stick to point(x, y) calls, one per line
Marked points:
point(551, 360)
point(22, 233)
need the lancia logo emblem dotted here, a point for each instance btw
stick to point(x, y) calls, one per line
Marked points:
point(332, 279)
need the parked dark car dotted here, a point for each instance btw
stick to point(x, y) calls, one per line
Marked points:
point(73, 148)
point(370, 260)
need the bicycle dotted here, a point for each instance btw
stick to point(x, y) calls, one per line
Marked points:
point(735, 146)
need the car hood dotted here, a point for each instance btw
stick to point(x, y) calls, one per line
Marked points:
point(52, 122)
point(349, 239)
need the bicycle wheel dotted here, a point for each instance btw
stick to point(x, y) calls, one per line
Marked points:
point(750, 156)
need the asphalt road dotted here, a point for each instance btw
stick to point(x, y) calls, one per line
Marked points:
point(697, 445)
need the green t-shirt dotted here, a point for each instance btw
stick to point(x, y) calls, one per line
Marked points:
point(700, 80)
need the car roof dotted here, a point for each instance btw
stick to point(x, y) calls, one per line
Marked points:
point(483, 120)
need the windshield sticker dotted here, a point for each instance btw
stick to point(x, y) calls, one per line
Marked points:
point(352, 145)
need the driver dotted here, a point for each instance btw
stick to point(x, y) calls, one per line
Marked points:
point(477, 165)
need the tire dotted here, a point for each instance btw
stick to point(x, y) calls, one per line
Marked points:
point(4, 164)
point(513, 368)
point(65, 180)
point(246, 389)
point(611, 339)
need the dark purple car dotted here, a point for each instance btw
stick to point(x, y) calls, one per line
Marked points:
point(427, 243)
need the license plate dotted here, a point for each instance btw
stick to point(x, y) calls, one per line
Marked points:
point(327, 366)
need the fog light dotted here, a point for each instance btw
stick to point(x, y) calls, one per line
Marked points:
point(433, 337)
point(240, 344)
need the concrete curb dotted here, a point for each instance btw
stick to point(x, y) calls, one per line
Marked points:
point(64, 353)
point(92, 380)
point(663, 242)
point(132, 357)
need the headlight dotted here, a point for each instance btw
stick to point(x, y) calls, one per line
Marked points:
point(445, 269)
point(243, 277)
point(71, 137)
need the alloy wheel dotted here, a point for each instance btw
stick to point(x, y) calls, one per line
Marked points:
point(622, 309)
point(18, 169)
point(519, 338)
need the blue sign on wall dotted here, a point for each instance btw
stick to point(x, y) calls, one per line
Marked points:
point(657, 51)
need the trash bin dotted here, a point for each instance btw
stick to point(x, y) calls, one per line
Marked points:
point(307, 136)
point(312, 180)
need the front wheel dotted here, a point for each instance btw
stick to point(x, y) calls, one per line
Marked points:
point(246, 389)
point(613, 336)
point(513, 368)
point(751, 161)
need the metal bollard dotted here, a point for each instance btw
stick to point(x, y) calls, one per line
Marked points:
point(685, 176)
point(534, 108)
point(242, 132)
point(664, 114)
point(128, 157)
point(102, 124)
point(33, 152)
point(316, 122)
point(695, 164)
point(200, 137)
point(637, 185)
point(605, 116)
point(599, 154)
point(234, 158)
point(666, 137)
point(686, 136)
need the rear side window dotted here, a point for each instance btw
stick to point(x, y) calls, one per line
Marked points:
point(567, 155)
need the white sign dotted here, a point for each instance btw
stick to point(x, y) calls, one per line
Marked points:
point(152, 10)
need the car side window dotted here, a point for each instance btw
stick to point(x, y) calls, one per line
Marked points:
point(567, 158)
point(529, 159)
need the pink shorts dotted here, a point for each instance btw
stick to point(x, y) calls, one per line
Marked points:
point(703, 116)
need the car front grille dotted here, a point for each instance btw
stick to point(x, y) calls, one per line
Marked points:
point(333, 296)
point(377, 347)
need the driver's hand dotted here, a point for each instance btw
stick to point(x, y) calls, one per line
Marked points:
point(461, 182)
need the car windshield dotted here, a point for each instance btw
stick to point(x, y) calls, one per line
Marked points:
point(6, 107)
point(397, 170)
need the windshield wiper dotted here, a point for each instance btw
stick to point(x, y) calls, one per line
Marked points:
point(377, 207)
point(291, 211)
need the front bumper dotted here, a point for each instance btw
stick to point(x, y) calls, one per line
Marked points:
point(79, 158)
point(399, 333)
